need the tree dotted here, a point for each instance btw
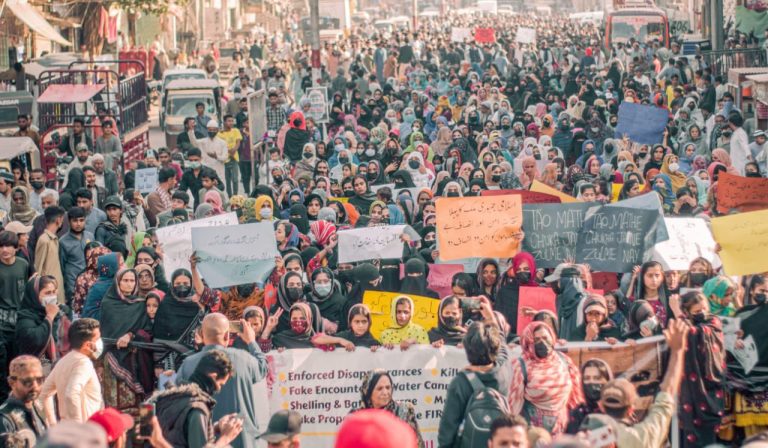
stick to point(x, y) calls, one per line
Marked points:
point(134, 7)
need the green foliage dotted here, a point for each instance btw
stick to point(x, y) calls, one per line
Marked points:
point(155, 7)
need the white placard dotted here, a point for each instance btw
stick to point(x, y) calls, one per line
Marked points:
point(461, 34)
point(731, 326)
point(747, 356)
point(146, 180)
point(370, 243)
point(689, 238)
point(176, 240)
point(525, 35)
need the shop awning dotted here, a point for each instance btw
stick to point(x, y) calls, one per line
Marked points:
point(35, 20)
point(69, 93)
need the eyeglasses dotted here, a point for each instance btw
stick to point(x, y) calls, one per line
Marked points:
point(27, 382)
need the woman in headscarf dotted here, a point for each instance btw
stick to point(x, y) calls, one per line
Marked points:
point(530, 172)
point(450, 329)
point(307, 163)
point(305, 324)
point(415, 279)
point(662, 185)
point(88, 277)
point(298, 217)
point(720, 291)
point(521, 272)
point(655, 161)
point(146, 280)
point(596, 326)
point(359, 328)
point(488, 278)
point(21, 211)
point(290, 290)
point(325, 292)
point(363, 197)
point(107, 266)
point(38, 320)
point(671, 168)
point(263, 209)
point(75, 181)
point(415, 165)
point(214, 199)
point(545, 383)
point(443, 141)
point(642, 321)
point(376, 393)
point(402, 330)
point(696, 138)
point(702, 393)
point(719, 155)
point(595, 373)
point(203, 211)
point(128, 375)
point(287, 236)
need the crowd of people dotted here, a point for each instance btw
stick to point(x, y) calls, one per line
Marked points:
point(92, 327)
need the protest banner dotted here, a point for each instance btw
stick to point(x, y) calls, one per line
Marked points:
point(525, 35)
point(742, 193)
point(485, 35)
point(689, 238)
point(146, 180)
point(647, 202)
point(615, 239)
point(235, 255)
point(325, 386)
point(536, 298)
point(528, 197)
point(176, 240)
point(381, 303)
point(742, 239)
point(440, 276)
point(540, 187)
point(459, 34)
point(552, 230)
point(607, 281)
point(641, 123)
point(370, 243)
point(485, 226)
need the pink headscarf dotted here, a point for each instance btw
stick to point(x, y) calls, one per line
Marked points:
point(214, 198)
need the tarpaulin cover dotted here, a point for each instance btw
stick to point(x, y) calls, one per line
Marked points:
point(69, 93)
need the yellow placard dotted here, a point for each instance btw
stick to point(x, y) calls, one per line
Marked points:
point(342, 199)
point(544, 188)
point(615, 191)
point(743, 239)
point(485, 226)
point(381, 302)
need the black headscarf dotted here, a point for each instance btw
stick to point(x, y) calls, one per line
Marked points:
point(330, 305)
point(288, 339)
point(299, 218)
point(416, 285)
point(33, 333)
point(363, 201)
point(176, 314)
point(366, 340)
point(450, 335)
point(402, 179)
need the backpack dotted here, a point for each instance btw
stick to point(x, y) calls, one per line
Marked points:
point(485, 405)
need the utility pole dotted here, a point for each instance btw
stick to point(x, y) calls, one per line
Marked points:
point(314, 21)
point(716, 26)
point(415, 15)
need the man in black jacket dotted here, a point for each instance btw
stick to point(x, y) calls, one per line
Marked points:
point(20, 417)
point(185, 412)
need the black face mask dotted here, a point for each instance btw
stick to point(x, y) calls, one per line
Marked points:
point(699, 318)
point(542, 349)
point(343, 160)
point(505, 126)
point(349, 193)
point(642, 154)
point(212, 134)
point(519, 133)
point(496, 178)
point(749, 174)
point(451, 321)
point(414, 164)
point(487, 163)
point(698, 278)
point(523, 277)
point(759, 298)
point(592, 391)
point(37, 185)
point(452, 194)
point(294, 294)
point(372, 176)
point(182, 291)
point(307, 155)
point(278, 179)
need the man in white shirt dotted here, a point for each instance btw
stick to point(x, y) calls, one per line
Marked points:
point(74, 380)
point(740, 153)
point(214, 149)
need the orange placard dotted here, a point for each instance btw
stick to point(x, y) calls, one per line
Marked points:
point(485, 35)
point(540, 187)
point(485, 226)
point(743, 193)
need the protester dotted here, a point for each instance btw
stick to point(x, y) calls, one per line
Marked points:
point(20, 413)
point(283, 430)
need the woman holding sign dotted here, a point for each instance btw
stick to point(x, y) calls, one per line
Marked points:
point(402, 330)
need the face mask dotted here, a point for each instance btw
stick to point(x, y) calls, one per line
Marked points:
point(370, 152)
point(307, 155)
point(452, 194)
point(750, 174)
point(542, 349)
point(592, 391)
point(295, 293)
point(414, 164)
point(563, 125)
point(505, 126)
point(372, 176)
point(323, 290)
point(99, 349)
point(451, 321)
point(496, 178)
point(643, 154)
point(343, 160)
point(265, 213)
point(759, 298)
point(523, 277)
point(487, 163)
point(594, 130)
point(699, 318)
point(299, 326)
point(339, 147)
point(698, 278)
point(212, 134)
point(37, 185)
point(519, 133)
point(194, 165)
point(49, 300)
point(278, 179)
point(182, 291)
point(673, 167)
point(348, 193)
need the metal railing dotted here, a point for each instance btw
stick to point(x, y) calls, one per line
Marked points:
point(723, 60)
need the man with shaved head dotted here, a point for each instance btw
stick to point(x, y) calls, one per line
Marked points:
point(249, 367)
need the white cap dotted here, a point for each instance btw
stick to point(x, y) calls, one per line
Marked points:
point(212, 124)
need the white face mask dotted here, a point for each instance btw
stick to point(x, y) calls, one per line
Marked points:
point(49, 300)
point(99, 349)
point(673, 167)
